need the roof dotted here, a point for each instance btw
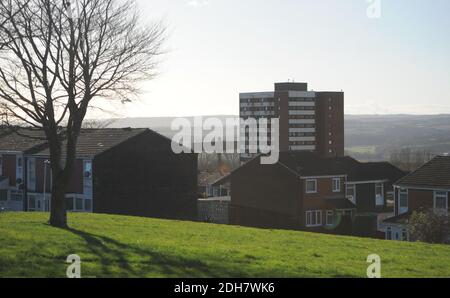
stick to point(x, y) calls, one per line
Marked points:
point(340, 203)
point(434, 174)
point(310, 164)
point(373, 171)
point(92, 142)
point(399, 219)
point(20, 139)
point(223, 180)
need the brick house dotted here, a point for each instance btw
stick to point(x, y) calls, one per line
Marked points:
point(306, 192)
point(426, 188)
point(13, 147)
point(118, 171)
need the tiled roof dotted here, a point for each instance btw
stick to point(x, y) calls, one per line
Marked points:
point(373, 171)
point(310, 164)
point(434, 174)
point(92, 142)
point(20, 139)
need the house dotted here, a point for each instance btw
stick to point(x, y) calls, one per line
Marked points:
point(370, 187)
point(14, 144)
point(118, 171)
point(214, 202)
point(427, 187)
point(207, 187)
point(301, 191)
point(308, 192)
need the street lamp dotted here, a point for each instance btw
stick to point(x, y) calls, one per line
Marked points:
point(46, 163)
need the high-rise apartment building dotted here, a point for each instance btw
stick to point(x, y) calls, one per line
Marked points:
point(309, 120)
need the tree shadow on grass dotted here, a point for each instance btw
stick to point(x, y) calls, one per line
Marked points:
point(117, 259)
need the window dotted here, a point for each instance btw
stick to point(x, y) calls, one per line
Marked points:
point(3, 195)
point(31, 174)
point(403, 200)
point(69, 204)
point(440, 200)
point(311, 186)
point(351, 192)
point(404, 235)
point(19, 167)
point(79, 204)
point(379, 196)
point(32, 203)
point(330, 218)
point(389, 233)
point(16, 196)
point(1, 165)
point(313, 218)
point(88, 205)
point(336, 184)
point(87, 169)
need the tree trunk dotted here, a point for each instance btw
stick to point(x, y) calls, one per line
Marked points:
point(58, 214)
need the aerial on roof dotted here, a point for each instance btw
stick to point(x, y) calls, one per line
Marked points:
point(434, 174)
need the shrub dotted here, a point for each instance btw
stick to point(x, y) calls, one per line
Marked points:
point(429, 226)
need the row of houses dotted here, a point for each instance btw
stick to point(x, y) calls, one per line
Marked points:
point(117, 171)
point(135, 172)
point(304, 191)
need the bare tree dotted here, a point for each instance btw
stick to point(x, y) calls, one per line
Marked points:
point(58, 56)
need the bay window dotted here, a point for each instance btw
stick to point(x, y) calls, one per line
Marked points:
point(314, 218)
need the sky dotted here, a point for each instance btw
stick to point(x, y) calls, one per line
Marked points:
point(395, 60)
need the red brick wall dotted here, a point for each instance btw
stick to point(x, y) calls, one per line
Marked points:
point(420, 199)
point(316, 201)
point(417, 199)
point(264, 196)
point(284, 118)
point(9, 168)
point(330, 121)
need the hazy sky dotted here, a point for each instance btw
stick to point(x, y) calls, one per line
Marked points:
point(398, 63)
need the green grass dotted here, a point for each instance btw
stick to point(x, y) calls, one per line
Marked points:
point(117, 246)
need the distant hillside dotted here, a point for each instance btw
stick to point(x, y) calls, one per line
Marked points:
point(368, 137)
point(375, 137)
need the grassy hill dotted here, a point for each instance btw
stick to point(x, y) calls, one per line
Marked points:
point(117, 246)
